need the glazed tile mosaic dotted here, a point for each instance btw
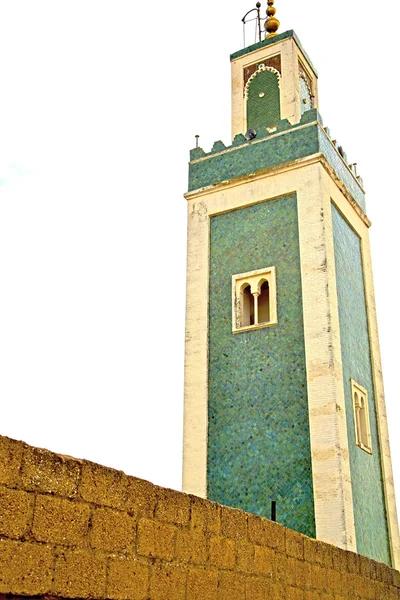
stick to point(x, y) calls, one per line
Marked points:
point(259, 441)
point(269, 150)
point(336, 161)
point(366, 475)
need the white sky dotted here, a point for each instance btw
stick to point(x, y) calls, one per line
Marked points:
point(99, 105)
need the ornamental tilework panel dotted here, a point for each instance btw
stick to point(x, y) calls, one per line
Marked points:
point(263, 104)
point(366, 475)
point(258, 436)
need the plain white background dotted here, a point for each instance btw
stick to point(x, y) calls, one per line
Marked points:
point(99, 106)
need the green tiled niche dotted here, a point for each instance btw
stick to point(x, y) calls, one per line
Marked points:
point(263, 103)
point(258, 432)
point(366, 474)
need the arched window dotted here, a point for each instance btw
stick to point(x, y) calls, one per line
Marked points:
point(263, 303)
point(363, 422)
point(247, 306)
point(254, 300)
point(361, 417)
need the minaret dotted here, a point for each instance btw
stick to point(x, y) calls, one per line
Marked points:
point(284, 403)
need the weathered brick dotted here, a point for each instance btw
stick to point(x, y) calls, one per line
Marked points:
point(365, 566)
point(294, 544)
point(60, 521)
point(286, 569)
point(112, 530)
point(312, 595)
point(232, 586)
point(10, 461)
point(44, 471)
point(294, 594)
point(387, 573)
point(80, 574)
point(202, 585)
point(205, 515)
point(318, 552)
point(257, 588)
point(25, 569)
point(393, 593)
point(173, 507)
point(128, 579)
point(168, 581)
point(380, 591)
point(266, 533)
point(319, 577)
point(278, 591)
point(156, 540)
point(396, 578)
point(264, 561)
point(303, 575)
point(191, 546)
point(353, 562)
point(233, 523)
point(15, 510)
point(362, 587)
point(222, 553)
point(141, 498)
point(245, 557)
point(103, 486)
point(339, 559)
point(335, 581)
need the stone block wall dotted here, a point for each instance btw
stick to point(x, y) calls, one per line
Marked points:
point(74, 529)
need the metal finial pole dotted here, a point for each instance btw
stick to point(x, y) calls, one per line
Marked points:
point(272, 24)
point(258, 6)
point(197, 140)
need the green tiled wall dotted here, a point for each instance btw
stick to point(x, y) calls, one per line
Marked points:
point(258, 435)
point(264, 111)
point(270, 150)
point(366, 475)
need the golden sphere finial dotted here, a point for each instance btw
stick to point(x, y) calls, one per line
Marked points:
point(272, 24)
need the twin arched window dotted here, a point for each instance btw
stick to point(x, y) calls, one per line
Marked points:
point(254, 300)
point(361, 417)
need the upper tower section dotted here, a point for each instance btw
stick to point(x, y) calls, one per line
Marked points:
point(271, 81)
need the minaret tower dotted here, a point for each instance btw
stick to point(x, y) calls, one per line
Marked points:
point(284, 403)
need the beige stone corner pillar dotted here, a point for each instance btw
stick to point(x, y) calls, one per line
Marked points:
point(290, 84)
point(196, 348)
point(334, 512)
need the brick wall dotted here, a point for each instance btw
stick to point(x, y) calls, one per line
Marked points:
point(74, 529)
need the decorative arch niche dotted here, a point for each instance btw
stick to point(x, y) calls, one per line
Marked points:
point(262, 98)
